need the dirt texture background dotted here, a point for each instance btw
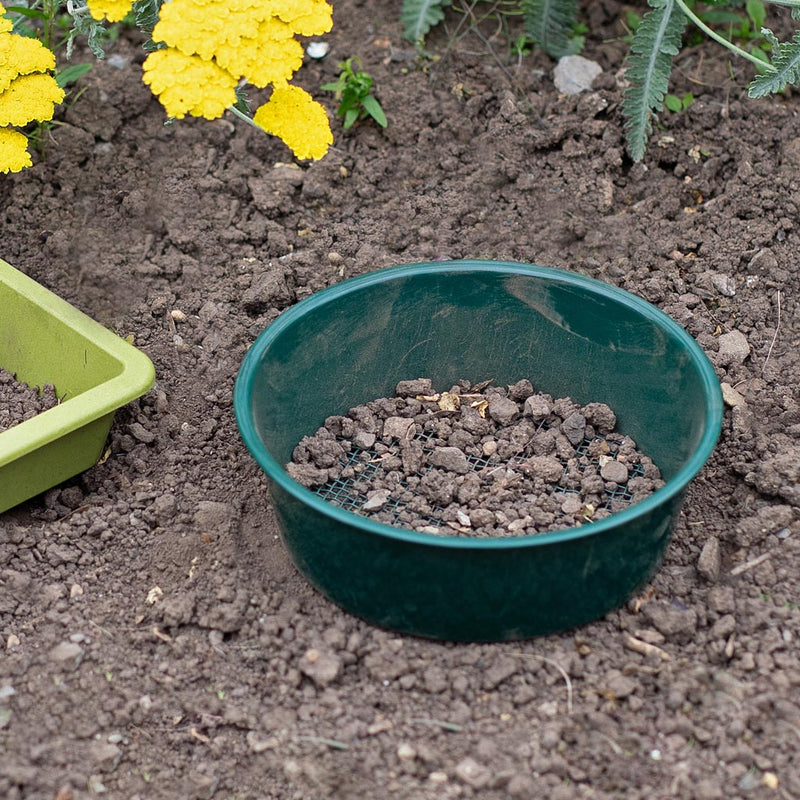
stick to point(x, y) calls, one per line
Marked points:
point(156, 641)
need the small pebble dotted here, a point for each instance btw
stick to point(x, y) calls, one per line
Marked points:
point(614, 471)
point(472, 773)
point(449, 458)
point(376, 500)
point(398, 428)
point(322, 666)
point(406, 752)
point(709, 562)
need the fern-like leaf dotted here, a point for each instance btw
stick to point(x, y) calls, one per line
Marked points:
point(785, 59)
point(550, 24)
point(419, 16)
point(656, 41)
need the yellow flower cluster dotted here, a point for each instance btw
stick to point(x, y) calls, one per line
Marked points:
point(27, 92)
point(212, 45)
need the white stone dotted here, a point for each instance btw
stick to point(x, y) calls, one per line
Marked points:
point(733, 348)
point(575, 74)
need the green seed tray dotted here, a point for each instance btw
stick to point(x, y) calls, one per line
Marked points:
point(44, 339)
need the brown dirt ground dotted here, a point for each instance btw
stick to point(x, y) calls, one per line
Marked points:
point(207, 692)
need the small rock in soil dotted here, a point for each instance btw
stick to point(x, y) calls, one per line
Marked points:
point(66, 652)
point(614, 471)
point(575, 74)
point(398, 428)
point(733, 348)
point(449, 458)
point(420, 386)
point(708, 565)
point(322, 666)
point(502, 409)
point(472, 773)
point(376, 500)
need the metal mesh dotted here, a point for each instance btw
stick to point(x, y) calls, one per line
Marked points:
point(348, 494)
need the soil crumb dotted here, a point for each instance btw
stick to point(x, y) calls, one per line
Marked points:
point(475, 460)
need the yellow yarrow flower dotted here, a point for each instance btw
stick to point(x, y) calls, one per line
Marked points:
point(29, 98)
point(270, 57)
point(20, 55)
point(27, 92)
point(212, 44)
point(14, 155)
point(294, 116)
point(188, 84)
point(306, 17)
point(112, 10)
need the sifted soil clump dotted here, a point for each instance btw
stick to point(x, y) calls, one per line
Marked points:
point(475, 460)
point(20, 402)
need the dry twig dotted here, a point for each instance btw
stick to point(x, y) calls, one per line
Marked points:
point(738, 570)
point(322, 740)
point(645, 648)
point(561, 669)
point(448, 726)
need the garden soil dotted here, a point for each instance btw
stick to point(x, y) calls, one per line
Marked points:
point(156, 641)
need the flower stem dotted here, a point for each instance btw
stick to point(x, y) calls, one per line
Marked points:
point(722, 40)
point(243, 116)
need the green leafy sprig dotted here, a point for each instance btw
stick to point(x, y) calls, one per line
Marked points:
point(656, 39)
point(551, 25)
point(655, 42)
point(354, 92)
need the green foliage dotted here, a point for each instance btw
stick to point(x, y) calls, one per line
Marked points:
point(72, 74)
point(419, 16)
point(83, 24)
point(354, 93)
point(551, 25)
point(786, 63)
point(677, 104)
point(656, 41)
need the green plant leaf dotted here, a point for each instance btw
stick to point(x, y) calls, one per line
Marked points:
point(31, 13)
point(673, 103)
point(785, 59)
point(72, 73)
point(550, 24)
point(419, 16)
point(722, 17)
point(350, 118)
point(654, 44)
point(757, 13)
point(373, 108)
